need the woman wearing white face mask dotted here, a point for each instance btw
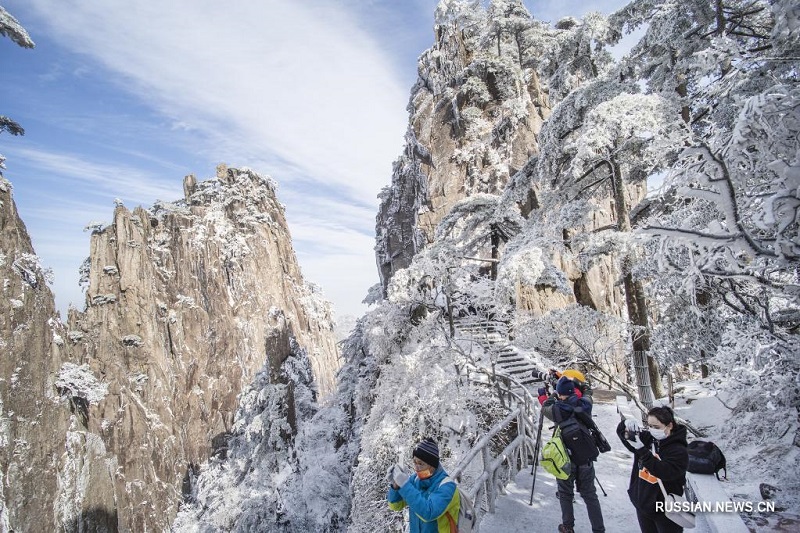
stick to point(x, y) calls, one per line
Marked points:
point(659, 452)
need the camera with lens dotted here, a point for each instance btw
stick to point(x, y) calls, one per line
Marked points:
point(631, 435)
point(540, 376)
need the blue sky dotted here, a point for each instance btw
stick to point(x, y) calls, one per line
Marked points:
point(122, 99)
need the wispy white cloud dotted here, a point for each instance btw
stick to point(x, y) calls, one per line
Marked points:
point(307, 85)
point(99, 178)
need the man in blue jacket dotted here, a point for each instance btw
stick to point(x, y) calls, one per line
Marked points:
point(432, 500)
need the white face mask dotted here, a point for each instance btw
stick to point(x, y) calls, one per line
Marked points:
point(658, 434)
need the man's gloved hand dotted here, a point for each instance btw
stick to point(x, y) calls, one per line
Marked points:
point(390, 474)
point(637, 442)
point(399, 475)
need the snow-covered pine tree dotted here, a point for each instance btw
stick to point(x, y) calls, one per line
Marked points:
point(11, 28)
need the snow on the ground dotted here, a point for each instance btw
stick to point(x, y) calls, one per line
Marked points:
point(708, 406)
point(513, 514)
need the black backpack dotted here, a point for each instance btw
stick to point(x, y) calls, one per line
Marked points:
point(599, 439)
point(577, 438)
point(706, 458)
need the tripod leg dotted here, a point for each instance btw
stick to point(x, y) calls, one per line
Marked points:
point(536, 451)
point(601, 486)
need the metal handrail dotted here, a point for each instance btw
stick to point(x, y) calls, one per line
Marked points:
point(523, 411)
point(515, 454)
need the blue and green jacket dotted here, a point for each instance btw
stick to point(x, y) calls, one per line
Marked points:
point(430, 502)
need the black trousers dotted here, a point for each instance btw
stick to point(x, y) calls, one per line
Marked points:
point(583, 477)
point(656, 523)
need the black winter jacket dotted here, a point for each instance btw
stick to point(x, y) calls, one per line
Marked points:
point(670, 466)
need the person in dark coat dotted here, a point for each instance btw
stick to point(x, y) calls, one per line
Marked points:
point(659, 452)
point(566, 401)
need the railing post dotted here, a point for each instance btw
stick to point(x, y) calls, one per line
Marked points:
point(490, 488)
point(497, 386)
point(478, 496)
point(521, 430)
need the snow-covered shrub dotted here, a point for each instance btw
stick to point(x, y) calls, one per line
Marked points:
point(78, 381)
point(577, 335)
point(103, 299)
point(475, 91)
point(280, 471)
point(761, 377)
point(516, 269)
point(132, 341)
point(84, 271)
point(29, 268)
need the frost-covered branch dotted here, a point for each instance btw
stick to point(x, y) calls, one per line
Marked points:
point(11, 28)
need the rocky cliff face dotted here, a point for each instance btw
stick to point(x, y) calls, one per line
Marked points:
point(476, 114)
point(32, 423)
point(473, 123)
point(106, 420)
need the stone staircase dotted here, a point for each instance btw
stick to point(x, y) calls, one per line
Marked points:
point(492, 336)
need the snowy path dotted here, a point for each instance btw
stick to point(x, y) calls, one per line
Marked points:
point(513, 514)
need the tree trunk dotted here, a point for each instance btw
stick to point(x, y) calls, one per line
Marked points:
point(649, 381)
point(495, 252)
point(450, 322)
point(683, 92)
point(703, 299)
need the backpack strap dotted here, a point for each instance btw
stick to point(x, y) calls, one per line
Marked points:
point(581, 415)
point(453, 525)
point(557, 416)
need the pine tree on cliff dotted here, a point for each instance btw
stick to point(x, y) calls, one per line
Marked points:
point(9, 27)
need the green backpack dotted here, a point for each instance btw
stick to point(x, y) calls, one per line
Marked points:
point(555, 458)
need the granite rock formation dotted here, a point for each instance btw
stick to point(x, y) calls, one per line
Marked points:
point(186, 303)
point(32, 423)
point(473, 123)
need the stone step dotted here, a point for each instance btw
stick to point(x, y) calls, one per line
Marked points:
point(480, 327)
point(517, 367)
point(485, 336)
point(517, 374)
point(513, 363)
point(509, 357)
